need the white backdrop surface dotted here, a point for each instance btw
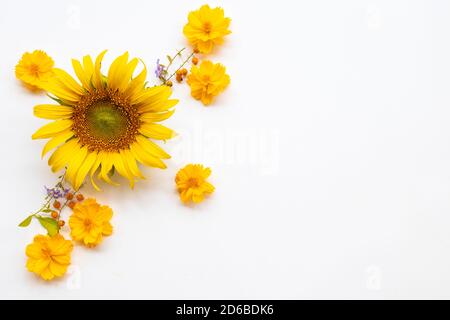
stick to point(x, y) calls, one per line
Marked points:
point(330, 154)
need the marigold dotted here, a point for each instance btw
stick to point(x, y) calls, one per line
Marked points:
point(191, 183)
point(35, 69)
point(206, 28)
point(48, 256)
point(104, 123)
point(90, 222)
point(207, 81)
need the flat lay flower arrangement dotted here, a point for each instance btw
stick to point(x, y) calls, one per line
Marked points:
point(107, 122)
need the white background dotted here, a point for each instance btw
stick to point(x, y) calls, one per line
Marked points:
point(330, 153)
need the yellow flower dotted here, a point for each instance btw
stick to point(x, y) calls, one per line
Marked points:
point(90, 222)
point(207, 81)
point(104, 123)
point(48, 256)
point(191, 183)
point(206, 28)
point(34, 69)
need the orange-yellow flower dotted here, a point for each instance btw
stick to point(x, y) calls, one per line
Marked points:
point(207, 81)
point(206, 28)
point(191, 183)
point(48, 256)
point(90, 222)
point(35, 69)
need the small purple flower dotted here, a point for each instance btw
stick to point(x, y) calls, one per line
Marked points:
point(57, 192)
point(159, 69)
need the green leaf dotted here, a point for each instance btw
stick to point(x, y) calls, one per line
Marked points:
point(56, 99)
point(169, 58)
point(51, 225)
point(26, 222)
point(47, 210)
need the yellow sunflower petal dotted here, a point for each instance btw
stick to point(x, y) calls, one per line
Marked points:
point(136, 85)
point(94, 168)
point(121, 168)
point(62, 155)
point(97, 75)
point(156, 131)
point(84, 169)
point(152, 147)
point(106, 167)
point(52, 128)
point(68, 81)
point(56, 141)
point(128, 71)
point(52, 112)
point(115, 72)
point(159, 105)
point(81, 74)
point(130, 162)
point(75, 163)
point(156, 117)
point(146, 158)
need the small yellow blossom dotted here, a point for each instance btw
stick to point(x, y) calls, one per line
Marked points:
point(206, 28)
point(207, 81)
point(90, 222)
point(48, 256)
point(191, 183)
point(35, 69)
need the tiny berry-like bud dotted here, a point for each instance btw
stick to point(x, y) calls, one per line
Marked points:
point(54, 214)
point(195, 60)
point(184, 71)
point(61, 223)
point(169, 83)
point(80, 197)
point(179, 72)
point(196, 50)
point(71, 204)
point(57, 204)
point(69, 196)
point(179, 77)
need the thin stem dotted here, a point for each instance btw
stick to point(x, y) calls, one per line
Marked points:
point(182, 65)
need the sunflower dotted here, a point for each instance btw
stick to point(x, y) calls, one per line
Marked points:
point(206, 28)
point(34, 69)
point(103, 124)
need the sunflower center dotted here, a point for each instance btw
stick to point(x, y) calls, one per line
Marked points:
point(106, 121)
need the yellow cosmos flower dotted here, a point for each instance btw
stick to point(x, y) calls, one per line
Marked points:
point(207, 81)
point(206, 28)
point(90, 222)
point(105, 121)
point(191, 183)
point(48, 256)
point(34, 69)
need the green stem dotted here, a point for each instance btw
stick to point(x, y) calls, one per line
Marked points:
point(181, 66)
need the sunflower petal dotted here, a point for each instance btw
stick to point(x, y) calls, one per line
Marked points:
point(156, 131)
point(121, 168)
point(62, 155)
point(130, 161)
point(52, 128)
point(52, 112)
point(156, 117)
point(84, 169)
point(146, 158)
point(67, 80)
point(75, 163)
point(56, 141)
point(106, 167)
point(152, 148)
point(97, 75)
